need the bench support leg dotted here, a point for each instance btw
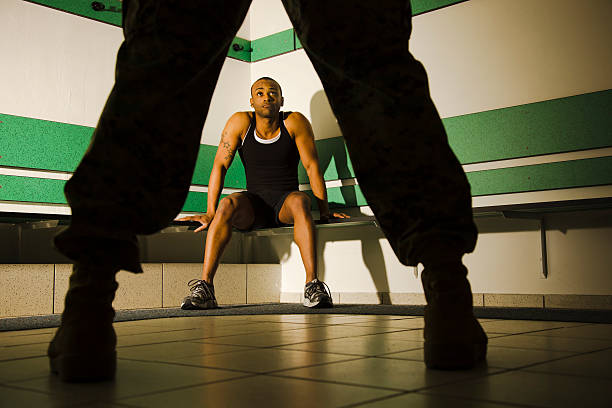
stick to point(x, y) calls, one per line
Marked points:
point(542, 224)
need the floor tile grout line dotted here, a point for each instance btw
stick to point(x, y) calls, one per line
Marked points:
point(503, 370)
point(548, 349)
point(370, 401)
point(336, 382)
point(185, 387)
point(462, 398)
point(270, 372)
point(21, 388)
point(580, 354)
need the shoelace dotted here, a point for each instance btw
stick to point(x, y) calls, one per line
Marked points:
point(318, 287)
point(200, 287)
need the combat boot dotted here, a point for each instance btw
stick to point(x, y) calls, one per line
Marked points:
point(83, 348)
point(454, 339)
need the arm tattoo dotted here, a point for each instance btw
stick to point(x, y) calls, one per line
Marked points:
point(229, 153)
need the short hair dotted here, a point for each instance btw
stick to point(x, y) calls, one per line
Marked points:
point(268, 79)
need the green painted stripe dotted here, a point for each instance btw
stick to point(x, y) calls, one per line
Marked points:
point(49, 191)
point(234, 178)
point(548, 176)
point(256, 50)
point(539, 177)
point(334, 160)
point(32, 190)
point(298, 43)
point(273, 45)
point(425, 6)
point(45, 145)
point(42, 144)
point(554, 126)
point(561, 125)
point(243, 54)
point(341, 197)
point(195, 202)
point(111, 15)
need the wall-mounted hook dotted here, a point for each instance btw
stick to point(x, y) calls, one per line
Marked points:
point(97, 6)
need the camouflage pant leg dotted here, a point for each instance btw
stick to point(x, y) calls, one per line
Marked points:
point(135, 176)
point(409, 176)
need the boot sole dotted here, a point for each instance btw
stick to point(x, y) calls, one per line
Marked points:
point(454, 356)
point(84, 368)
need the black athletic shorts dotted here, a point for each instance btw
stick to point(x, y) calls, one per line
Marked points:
point(267, 206)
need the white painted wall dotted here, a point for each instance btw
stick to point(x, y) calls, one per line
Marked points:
point(55, 66)
point(267, 17)
point(489, 54)
point(60, 67)
point(302, 90)
point(231, 95)
point(480, 55)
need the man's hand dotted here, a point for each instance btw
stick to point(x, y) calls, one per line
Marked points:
point(204, 219)
point(334, 215)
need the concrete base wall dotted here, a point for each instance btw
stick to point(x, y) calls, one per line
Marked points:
point(39, 289)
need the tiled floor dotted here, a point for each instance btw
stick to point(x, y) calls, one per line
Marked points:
point(318, 361)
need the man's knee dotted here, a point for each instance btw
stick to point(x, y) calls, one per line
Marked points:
point(227, 208)
point(299, 203)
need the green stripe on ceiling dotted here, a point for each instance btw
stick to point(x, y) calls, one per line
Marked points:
point(251, 51)
point(298, 43)
point(425, 6)
point(112, 8)
point(273, 45)
point(554, 126)
point(538, 177)
point(111, 14)
point(243, 51)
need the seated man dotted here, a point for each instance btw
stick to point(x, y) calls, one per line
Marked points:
point(270, 144)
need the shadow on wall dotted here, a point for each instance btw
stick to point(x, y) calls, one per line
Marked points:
point(334, 163)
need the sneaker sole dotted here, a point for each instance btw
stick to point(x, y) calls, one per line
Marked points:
point(454, 356)
point(84, 368)
point(209, 304)
point(318, 305)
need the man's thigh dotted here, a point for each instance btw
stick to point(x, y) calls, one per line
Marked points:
point(295, 204)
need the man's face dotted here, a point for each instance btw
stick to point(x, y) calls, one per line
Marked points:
point(266, 98)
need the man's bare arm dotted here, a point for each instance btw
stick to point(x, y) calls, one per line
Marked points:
point(236, 125)
point(304, 140)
